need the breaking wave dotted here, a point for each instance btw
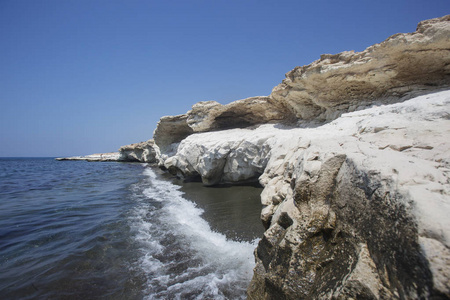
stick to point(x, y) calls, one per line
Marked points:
point(181, 256)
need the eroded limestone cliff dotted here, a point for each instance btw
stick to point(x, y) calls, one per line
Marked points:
point(357, 198)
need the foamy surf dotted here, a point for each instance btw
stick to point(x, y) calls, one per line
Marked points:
point(182, 258)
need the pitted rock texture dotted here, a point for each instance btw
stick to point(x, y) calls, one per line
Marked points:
point(355, 208)
point(403, 66)
point(139, 152)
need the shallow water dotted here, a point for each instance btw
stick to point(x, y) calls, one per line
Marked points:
point(232, 210)
point(118, 231)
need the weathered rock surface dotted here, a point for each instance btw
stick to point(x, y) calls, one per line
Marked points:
point(403, 66)
point(110, 156)
point(212, 116)
point(139, 152)
point(356, 208)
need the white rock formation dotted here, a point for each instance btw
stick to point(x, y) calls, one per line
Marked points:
point(379, 177)
point(171, 130)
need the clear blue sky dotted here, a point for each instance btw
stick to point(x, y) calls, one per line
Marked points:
point(80, 77)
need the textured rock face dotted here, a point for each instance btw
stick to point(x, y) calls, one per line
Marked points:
point(139, 152)
point(212, 116)
point(357, 208)
point(402, 66)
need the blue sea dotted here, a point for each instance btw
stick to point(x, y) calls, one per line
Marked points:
point(108, 230)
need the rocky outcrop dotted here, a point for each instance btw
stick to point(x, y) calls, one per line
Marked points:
point(212, 116)
point(146, 152)
point(139, 152)
point(403, 66)
point(356, 208)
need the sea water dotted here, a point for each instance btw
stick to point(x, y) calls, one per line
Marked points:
point(80, 230)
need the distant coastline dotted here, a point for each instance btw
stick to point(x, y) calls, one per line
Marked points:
point(110, 156)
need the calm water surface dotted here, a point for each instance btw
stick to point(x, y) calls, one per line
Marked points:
point(80, 230)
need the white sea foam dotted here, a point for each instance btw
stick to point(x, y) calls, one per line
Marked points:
point(181, 256)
